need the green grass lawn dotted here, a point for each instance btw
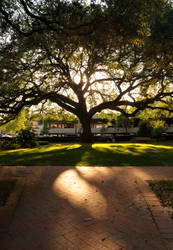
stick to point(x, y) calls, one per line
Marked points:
point(113, 154)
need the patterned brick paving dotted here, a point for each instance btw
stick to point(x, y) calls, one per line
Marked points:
point(88, 208)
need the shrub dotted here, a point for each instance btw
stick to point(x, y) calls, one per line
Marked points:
point(145, 129)
point(7, 145)
point(26, 138)
point(152, 128)
point(1, 144)
point(158, 128)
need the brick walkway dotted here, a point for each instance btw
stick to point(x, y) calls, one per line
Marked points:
point(88, 208)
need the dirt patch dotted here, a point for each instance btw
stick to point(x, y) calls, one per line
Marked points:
point(6, 187)
point(163, 189)
point(14, 187)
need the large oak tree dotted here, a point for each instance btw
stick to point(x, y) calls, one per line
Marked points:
point(114, 55)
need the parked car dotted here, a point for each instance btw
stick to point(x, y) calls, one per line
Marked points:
point(5, 136)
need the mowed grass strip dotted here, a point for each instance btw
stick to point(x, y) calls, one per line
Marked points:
point(113, 154)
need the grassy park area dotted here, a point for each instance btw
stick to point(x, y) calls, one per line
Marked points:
point(113, 154)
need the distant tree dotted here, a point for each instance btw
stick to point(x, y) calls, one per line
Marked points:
point(154, 114)
point(21, 122)
point(51, 114)
point(153, 122)
point(145, 129)
point(86, 58)
point(123, 122)
point(46, 115)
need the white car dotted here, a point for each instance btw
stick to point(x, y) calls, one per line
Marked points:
point(6, 136)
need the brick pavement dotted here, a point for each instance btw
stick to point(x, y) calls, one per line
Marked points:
point(88, 208)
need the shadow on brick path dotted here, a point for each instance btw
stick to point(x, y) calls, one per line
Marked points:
point(82, 208)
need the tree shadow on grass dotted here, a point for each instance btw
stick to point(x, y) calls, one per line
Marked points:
point(41, 157)
point(90, 155)
point(128, 155)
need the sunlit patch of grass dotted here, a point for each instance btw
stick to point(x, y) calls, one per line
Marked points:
point(84, 159)
point(52, 147)
point(126, 148)
point(118, 148)
point(70, 147)
point(21, 150)
point(41, 149)
point(125, 145)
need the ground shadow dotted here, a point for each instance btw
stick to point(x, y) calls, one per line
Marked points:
point(81, 208)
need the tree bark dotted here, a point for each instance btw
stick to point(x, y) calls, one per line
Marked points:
point(86, 136)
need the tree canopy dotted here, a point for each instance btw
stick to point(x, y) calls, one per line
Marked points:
point(20, 122)
point(86, 58)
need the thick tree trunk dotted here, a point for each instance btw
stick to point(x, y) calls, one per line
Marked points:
point(86, 136)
